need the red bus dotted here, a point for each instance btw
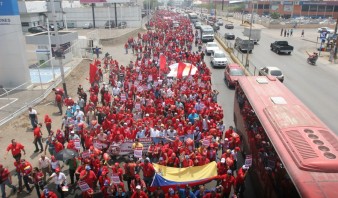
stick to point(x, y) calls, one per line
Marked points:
point(294, 154)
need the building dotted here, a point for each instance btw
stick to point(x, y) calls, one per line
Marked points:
point(294, 8)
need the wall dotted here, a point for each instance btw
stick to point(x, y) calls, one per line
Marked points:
point(80, 16)
point(13, 64)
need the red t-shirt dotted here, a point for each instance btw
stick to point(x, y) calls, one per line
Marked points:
point(16, 150)
point(139, 195)
point(37, 133)
point(89, 179)
point(4, 175)
point(148, 169)
point(50, 195)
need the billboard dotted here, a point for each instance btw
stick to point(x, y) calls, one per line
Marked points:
point(104, 1)
point(93, 1)
point(9, 8)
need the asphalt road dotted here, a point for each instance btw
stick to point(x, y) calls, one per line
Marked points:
point(315, 86)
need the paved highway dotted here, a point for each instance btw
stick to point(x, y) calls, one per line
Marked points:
point(316, 86)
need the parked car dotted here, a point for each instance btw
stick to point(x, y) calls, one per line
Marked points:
point(231, 74)
point(87, 26)
point(229, 36)
point(272, 71)
point(109, 24)
point(229, 26)
point(218, 59)
point(281, 47)
point(325, 29)
point(37, 29)
point(243, 43)
point(122, 24)
point(198, 25)
point(211, 47)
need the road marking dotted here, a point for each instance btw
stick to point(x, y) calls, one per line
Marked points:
point(13, 100)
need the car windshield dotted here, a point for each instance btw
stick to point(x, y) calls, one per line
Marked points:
point(275, 73)
point(236, 72)
point(219, 55)
point(212, 45)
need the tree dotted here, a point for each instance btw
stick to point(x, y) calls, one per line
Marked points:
point(275, 15)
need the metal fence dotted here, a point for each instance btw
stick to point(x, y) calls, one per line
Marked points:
point(41, 89)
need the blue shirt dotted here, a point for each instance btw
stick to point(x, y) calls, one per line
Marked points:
point(182, 194)
point(192, 117)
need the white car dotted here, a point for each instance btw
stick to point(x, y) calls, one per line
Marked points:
point(272, 71)
point(325, 29)
point(211, 47)
point(218, 59)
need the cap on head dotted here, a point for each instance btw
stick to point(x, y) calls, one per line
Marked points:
point(245, 167)
point(138, 187)
point(88, 167)
point(229, 172)
point(57, 170)
point(223, 160)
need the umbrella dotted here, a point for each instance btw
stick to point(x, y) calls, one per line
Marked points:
point(66, 154)
point(174, 68)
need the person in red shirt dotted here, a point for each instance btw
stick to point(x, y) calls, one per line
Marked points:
point(212, 194)
point(240, 179)
point(139, 193)
point(57, 145)
point(228, 133)
point(16, 149)
point(171, 194)
point(5, 180)
point(148, 171)
point(116, 169)
point(227, 182)
point(59, 102)
point(172, 161)
point(88, 176)
point(25, 170)
point(38, 138)
point(48, 123)
point(48, 194)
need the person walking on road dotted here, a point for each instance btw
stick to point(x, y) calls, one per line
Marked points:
point(302, 35)
point(33, 117)
point(59, 102)
point(16, 149)
point(5, 180)
point(291, 32)
point(45, 166)
point(284, 33)
point(281, 32)
point(48, 123)
point(60, 180)
point(38, 138)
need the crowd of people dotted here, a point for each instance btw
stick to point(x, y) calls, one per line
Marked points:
point(138, 101)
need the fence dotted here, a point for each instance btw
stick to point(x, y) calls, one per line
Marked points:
point(34, 96)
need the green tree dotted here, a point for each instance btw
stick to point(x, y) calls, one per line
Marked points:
point(275, 15)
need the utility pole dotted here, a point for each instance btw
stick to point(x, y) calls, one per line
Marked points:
point(93, 12)
point(247, 51)
point(58, 48)
point(335, 49)
point(222, 4)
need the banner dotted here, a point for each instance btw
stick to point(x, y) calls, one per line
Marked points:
point(180, 69)
point(163, 62)
point(92, 72)
point(83, 186)
point(115, 179)
point(125, 148)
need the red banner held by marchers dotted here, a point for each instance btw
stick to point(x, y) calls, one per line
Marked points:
point(163, 62)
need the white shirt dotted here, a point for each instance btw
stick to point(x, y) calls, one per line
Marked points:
point(44, 163)
point(32, 112)
point(116, 91)
point(79, 114)
point(55, 164)
point(154, 132)
point(59, 179)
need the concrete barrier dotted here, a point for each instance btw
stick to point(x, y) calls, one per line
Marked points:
point(233, 57)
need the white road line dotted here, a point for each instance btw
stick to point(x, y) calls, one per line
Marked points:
point(13, 100)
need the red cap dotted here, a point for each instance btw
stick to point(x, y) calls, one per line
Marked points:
point(57, 170)
point(117, 164)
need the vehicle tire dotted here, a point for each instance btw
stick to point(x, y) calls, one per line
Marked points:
point(289, 53)
point(228, 84)
point(278, 52)
point(271, 48)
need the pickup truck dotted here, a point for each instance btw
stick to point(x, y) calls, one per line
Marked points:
point(281, 47)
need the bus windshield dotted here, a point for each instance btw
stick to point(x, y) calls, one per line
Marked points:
point(208, 32)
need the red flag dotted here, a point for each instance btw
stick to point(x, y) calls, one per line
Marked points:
point(92, 72)
point(97, 62)
point(180, 69)
point(163, 62)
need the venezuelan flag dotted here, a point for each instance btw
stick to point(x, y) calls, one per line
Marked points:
point(169, 177)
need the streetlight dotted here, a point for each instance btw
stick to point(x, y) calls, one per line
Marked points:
point(247, 51)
